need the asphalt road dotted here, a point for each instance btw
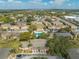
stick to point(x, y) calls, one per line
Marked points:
point(29, 57)
point(74, 53)
point(4, 53)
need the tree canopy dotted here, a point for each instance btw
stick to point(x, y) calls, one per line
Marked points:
point(32, 27)
point(59, 46)
point(6, 20)
point(26, 36)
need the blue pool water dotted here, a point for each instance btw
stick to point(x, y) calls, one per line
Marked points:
point(38, 34)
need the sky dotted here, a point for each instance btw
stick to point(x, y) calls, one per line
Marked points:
point(39, 4)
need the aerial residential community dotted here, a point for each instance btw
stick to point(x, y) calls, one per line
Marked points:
point(43, 34)
point(39, 29)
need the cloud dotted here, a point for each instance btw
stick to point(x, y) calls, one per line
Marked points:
point(45, 3)
point(32, 3)
point(17, 1)
point(14, 1)
point(70, 4)
point(59, 2)
point(37, 2)
point(2, 1)
point(11, 0)
point(19, 4)
point(51, 2)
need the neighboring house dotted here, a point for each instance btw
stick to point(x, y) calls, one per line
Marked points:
point(65, 34)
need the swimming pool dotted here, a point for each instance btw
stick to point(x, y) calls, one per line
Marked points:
point(38, 33)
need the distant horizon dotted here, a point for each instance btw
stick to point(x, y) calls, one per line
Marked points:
point(39, 4)
point(39, 9)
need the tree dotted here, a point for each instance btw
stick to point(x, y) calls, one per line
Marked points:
point(6, 20)
point(49, 20)
point(43, 36)
point(26, 36)
point(12, 50)
point(59, 46)
point(29, 20)
point(67, 29)
point(32, 27)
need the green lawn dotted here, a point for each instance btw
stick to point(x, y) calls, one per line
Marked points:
point(9, 44)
